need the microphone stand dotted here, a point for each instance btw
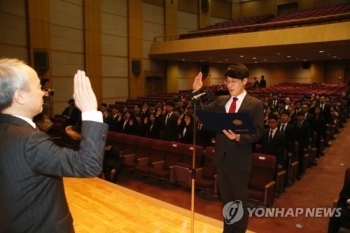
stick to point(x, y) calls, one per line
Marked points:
point(193, 170)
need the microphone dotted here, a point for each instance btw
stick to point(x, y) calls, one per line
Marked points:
point(207, 93)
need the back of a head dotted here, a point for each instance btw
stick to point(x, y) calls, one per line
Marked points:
point(12, 77)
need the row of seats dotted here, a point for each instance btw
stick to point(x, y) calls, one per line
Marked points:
point(172, 162)
point(298, 18)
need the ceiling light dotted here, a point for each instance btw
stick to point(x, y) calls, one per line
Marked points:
point(278, 54)
point(241, 56)
point(183, 59)
point(321, 51)
point(254, 58)
point(288, 56)
point(226, 59)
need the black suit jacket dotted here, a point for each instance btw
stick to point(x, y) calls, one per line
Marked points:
point(289, 133)
point(169, 130)
point(232, 154)
point(275, 147)
point(32, 166)
point(302, 134)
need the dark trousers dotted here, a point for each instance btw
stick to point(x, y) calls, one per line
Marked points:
point(233, 186)
point(336, 222)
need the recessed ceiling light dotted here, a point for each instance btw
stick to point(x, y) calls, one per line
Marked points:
point(304, 60)
point(183, 59)
point(265, 59)
point(209, 58)
point(328, 54)
point(334, 56)
point(297, 58)
point(226, 59)
point(242, 56)
point(321, 51)
point(254, 58)
point(201, 60)
point(278, 53)
point(288, 56)
point(219, 61)
point(256, 62)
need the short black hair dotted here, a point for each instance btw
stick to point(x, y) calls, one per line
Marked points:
point(238, 71)
point(273, 116)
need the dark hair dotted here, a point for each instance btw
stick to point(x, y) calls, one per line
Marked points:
point(238, 71)
point(104, 105)
point(273, 116)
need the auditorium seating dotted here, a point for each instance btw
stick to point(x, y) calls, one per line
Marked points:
point(261, 188)
point(173, 155)
point(157, 153)
point(321, 15)
point(206, 176)
point(180, 173)
point(143, 148)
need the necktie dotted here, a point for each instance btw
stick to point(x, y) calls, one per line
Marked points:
point(299, 125)
point(167, 118)
point(282, 128)
point(270, 137)
point(233, 105)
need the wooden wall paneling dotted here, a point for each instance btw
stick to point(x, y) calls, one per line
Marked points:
point(92, 45)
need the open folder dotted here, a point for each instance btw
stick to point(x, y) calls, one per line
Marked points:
point(239, 123)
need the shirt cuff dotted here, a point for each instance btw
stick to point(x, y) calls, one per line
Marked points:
point(92, 116)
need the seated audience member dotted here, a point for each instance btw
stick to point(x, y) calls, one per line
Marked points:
point(71, 113)
point(335, 222)
point(112, 163)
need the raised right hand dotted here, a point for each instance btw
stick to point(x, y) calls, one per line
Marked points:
point(84, 96)
point(197, 83)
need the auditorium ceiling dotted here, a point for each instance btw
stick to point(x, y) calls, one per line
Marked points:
point(326, 51)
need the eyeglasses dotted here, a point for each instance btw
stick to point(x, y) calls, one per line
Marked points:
point(233, 82)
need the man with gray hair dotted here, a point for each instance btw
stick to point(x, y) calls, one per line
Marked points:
point(32, 166)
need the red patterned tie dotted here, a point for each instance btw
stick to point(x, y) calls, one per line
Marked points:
point(233, 105)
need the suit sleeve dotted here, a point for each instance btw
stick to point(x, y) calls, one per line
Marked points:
point(45, 157)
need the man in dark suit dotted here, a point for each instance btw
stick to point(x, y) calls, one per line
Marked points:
point(273, 142)
point(233, 152)
point(169, 123)
point(32, 166)
point(302, 136)
point(71, 113)
point(307, 115)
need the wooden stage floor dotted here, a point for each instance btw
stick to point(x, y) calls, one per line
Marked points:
point(99, 206)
